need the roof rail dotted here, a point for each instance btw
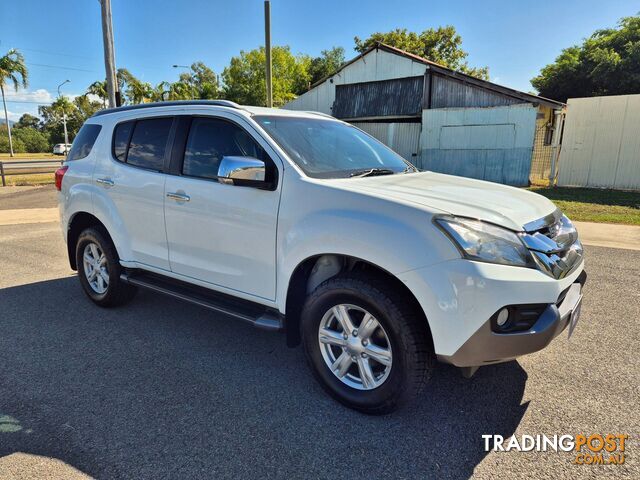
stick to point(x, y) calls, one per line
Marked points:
point(322, 114)
point(175, 103)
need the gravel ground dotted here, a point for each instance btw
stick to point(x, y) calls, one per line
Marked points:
point(161, 389)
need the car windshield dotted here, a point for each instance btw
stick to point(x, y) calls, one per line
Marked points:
point(324, 148)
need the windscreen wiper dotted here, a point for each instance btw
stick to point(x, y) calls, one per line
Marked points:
point(370, 172)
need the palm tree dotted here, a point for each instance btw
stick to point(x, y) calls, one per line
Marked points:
point(99, 89)
point(12, 69)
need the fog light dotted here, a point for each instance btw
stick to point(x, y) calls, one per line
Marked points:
point(503, 316)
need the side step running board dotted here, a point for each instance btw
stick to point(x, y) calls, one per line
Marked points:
point(253, 313)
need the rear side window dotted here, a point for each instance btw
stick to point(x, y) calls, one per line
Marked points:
point(211, 139)
point(149, 143)
point(84, 141)
point(121, 137)
point(142, 143)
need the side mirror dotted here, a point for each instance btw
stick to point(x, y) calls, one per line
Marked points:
point(245, 171)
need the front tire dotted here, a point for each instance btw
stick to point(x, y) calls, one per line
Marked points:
point(366, 344)
point(99, 269)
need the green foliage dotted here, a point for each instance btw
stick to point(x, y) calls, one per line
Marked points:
point(18, 145)
point(199, 83)
point(244, 78)
point(134, 90)
point(607, 63)
point(13, 70)
point(34, 141)
point(27, 121)
point(99, 89)
point(327, 63)
point(442, 45)
point(77, 111)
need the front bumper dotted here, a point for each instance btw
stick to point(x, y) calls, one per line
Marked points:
point(486, 346)
point(459, 297)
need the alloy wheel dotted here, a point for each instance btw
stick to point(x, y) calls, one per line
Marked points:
point(355, 346)
point(95, 268)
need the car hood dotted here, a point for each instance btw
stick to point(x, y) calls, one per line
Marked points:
point(509, 207)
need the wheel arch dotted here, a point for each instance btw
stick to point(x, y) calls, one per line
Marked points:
point(314, 270)
point(78, 223)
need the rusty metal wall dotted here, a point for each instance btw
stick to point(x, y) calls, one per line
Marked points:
point(386, 98)
point(447, 92)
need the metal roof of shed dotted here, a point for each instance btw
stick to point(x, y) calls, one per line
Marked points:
point(442, 70)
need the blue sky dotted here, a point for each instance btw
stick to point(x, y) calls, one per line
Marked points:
point(62, 39)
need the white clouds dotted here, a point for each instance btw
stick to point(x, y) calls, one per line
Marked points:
point(93, 98)
point(13, 116)
point(25, 101)
point(41, 95)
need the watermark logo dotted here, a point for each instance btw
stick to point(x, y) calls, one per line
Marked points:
point(593, 449)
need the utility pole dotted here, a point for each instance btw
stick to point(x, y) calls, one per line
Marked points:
point(64, 119)
point(109, 54)
point(267, 48)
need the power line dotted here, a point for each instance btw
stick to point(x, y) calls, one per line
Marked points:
point(56, 53)
point(29, 101)
point(60, 67)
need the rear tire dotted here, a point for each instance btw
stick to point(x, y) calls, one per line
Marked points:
point(99, 269)
point(398, 349)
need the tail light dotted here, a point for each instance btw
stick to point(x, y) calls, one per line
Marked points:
point(59, 174)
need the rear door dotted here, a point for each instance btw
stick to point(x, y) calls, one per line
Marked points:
point(134, 183)
point(219, 233)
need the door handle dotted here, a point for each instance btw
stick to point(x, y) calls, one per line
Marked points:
point(179, 197)
point(107, 182)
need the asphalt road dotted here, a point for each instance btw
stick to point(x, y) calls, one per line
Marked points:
point(28, 197)
point(161, 389)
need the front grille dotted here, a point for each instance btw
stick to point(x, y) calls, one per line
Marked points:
point(554, 245)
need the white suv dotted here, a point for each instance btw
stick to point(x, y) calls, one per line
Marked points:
point(298, 222)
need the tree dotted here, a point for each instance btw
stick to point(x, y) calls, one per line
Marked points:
point(607, 63)
point(27, 121)
point(442, 45)
point(14, 70)
point(244, 78)
point(201, 82)
point(34, 141)
point(99, 89)
point(77, 112)
point(134, 90)
point(327, 63)
point(17, 145)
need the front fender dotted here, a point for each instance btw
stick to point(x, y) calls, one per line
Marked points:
point(393, 243)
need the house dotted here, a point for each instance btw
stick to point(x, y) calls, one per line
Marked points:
point(437, 118)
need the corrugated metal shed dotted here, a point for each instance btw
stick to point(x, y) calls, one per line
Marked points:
point(401, 137)
point(385, 98)
point(448, 92)
point(601, 143)
point(492, 144)
point(383, 62)
point(373, 65)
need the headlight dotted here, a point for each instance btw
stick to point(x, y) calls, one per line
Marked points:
point(482, 241)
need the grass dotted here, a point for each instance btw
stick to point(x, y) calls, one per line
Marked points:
point(17, 156)
point(34, 179)
point(595, 205)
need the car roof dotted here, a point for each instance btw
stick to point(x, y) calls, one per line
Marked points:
point(214, 104)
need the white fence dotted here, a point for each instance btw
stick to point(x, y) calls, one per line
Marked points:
point(601, 143)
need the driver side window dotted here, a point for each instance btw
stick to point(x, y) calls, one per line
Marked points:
point(210, 140)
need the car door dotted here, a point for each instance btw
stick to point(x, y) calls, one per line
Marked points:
point(219, 233)
point(134, 185)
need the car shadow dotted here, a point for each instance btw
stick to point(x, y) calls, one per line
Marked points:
point(163, 389)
